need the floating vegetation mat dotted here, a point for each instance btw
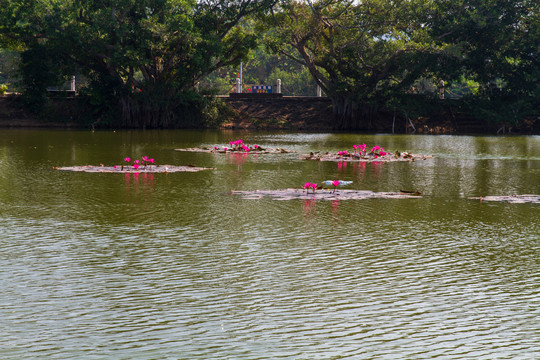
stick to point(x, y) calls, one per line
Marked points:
point(259, 150)
point(292, 194)
point(389, 157)
point(128, 169)
point(513, 199)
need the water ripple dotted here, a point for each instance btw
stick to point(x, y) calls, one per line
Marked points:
point(174, 267)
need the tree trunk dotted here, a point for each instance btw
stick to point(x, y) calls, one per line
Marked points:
point(353, 115)
point(159, 111)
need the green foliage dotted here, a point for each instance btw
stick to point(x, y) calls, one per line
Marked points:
point(358, 52)
point(498, 40)
point(264, 68)
point(3, 89)
point(144, 56)
point(375, 52)
point(9, 62)
point(507, 110)
point(40, 69)
point(299, 83)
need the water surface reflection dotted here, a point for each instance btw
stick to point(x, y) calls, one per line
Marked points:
point(174, 266)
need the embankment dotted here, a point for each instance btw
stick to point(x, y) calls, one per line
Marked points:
point(282, 113)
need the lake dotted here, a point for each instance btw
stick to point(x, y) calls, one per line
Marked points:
point(175, 266)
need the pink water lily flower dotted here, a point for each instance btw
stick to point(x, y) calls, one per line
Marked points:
point(145, 158)
point(127, 159)
point(360, 148)
point(151, 160)
point(136, 166)
point(336, 184)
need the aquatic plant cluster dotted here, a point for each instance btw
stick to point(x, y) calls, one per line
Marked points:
point(334, 183)
point(378, 151)
point(239, 145)
point(360, 150)
point(145, 161)
point(308, 186)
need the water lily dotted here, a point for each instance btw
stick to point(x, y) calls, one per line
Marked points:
point(378, 151)
point(308, 186)
point(336, 184)
point(145, 160)
point(361, 149)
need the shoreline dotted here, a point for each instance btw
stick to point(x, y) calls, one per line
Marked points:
point(283, 114)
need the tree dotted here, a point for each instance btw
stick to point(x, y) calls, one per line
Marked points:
point(9, 61)
point(359, 53)
point(367, 55)
point(143, 57)
point(498, 42)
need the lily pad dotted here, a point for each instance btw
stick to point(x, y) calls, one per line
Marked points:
point(512, 199)
point(259, 150)
point(129, 169)
point(319, 156)
point(293, 194)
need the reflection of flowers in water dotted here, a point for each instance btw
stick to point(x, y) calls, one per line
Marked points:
point(138, 181)
point(335, 207)
point(238, 158)
point(309, 207)
point(377, 167)
point(361, 169)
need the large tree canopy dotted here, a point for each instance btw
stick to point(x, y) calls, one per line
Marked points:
point(159, 48)
point(360, 53)
point(368, 53)
point(143, 58)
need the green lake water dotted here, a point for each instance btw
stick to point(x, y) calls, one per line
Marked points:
point(174, 266)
